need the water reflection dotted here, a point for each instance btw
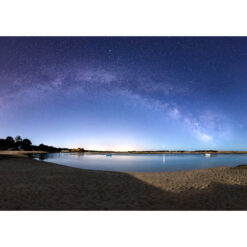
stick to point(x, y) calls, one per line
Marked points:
point(164, 159)
point(143, 162)
point(78, 154)
point(42, 156)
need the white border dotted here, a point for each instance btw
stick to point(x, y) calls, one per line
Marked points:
point(123, 229)
point(117, 18)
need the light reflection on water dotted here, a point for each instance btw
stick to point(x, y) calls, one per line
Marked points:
point(143, 162)
point(164, 159)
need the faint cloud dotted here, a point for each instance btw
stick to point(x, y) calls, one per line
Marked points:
point(205, 137)
point(174, 113)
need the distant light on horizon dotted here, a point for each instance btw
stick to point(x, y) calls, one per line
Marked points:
point(113, 148)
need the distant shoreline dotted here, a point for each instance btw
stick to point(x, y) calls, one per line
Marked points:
point(28, 153)
point(166, 152)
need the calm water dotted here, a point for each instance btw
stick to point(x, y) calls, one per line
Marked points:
point(144, 162)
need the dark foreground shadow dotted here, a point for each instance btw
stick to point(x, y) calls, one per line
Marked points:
point(25, 185)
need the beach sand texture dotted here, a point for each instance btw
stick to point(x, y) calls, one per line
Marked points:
point(27, 184)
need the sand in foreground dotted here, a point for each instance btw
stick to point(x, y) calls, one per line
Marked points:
point(27, 184)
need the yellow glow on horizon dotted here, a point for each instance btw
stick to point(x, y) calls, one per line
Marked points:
point(112, 148)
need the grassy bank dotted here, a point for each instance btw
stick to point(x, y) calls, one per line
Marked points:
point(20, 153)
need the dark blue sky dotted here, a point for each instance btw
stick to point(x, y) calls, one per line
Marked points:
point(125, 93)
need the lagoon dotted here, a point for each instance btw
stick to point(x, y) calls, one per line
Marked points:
point(143, 162)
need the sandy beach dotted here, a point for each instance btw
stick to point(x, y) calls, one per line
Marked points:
point(27, 184)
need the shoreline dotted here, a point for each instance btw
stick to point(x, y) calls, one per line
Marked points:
point(166, 152)
point(20, 153)
point(27, 153)
point(28, 184)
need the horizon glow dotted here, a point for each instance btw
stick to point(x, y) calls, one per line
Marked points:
point(125, 94)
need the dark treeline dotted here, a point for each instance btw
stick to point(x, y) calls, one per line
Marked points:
point(17, 143)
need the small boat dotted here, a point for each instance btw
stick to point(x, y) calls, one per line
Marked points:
point(108, 155)
point(208, 155)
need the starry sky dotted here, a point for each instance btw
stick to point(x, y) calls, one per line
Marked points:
point(125, 93)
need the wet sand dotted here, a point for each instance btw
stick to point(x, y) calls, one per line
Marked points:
point(27, 184)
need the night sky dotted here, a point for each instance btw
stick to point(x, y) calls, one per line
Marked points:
point(125, 93)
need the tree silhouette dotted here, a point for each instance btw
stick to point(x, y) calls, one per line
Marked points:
point(10, 139)
point(2, 144)
point(19, 143)
point(26, 144)
point(10, 143)
point(18, 139)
